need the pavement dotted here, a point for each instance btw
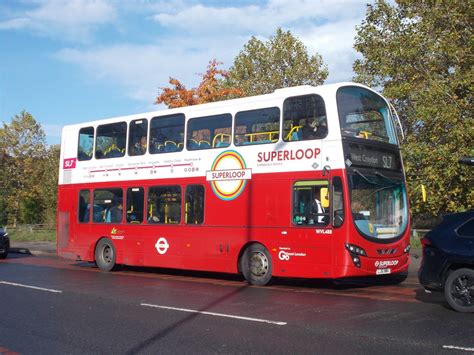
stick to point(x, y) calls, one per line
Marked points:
point(33, 248)
point(49, 249)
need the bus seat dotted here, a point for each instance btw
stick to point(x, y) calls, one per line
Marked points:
point(170, 146)
point(193, 144)
point(222, 144)
point(204, 145)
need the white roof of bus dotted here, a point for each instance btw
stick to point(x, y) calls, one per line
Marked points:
point(277, 94)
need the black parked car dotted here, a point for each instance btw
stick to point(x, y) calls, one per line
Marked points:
point(4, 244)
point(448, 260)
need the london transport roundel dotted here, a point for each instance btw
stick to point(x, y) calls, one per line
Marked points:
point(228, 175)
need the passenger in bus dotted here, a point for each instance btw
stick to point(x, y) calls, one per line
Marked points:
point(314, 129)
point(114, 215)
point(140, 146)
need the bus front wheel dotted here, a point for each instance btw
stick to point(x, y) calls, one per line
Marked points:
point(256, 265)
point(105, 255)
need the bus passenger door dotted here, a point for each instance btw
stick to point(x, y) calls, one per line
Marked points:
point(308, 253)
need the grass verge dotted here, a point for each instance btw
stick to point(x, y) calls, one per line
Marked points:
point(31, 235)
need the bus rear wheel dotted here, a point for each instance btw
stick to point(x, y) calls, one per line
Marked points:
point(105, 255)
point(256, 265)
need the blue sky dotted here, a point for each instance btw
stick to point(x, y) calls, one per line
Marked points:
point(71, 61)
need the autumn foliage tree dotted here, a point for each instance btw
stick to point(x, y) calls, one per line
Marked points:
point(210, 89)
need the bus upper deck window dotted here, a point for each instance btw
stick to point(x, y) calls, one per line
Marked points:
point(166, 134)
point(304, 118)
point(257, 126)
point(137, 137)
point(111, 140)
point(86, 143)
point(364, 114)
point(209, 132)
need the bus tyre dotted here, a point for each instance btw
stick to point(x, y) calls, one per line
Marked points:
point(256, 265)
point(105, 255)
point(459, 290)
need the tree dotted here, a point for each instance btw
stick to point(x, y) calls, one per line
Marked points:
point(22, 147)
point(49, 168)
point(420, 54)
point(282, 61)
point(210, 89)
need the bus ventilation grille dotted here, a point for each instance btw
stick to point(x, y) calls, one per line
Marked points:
point(386, 251)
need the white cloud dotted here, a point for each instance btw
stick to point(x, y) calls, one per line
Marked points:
point(324, 26)
point(334, 41)
point(194, 34)
point(140, 69)
point(257, 19)
point(72, 20)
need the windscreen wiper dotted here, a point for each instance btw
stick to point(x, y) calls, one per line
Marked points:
point(366, 178)
point(386, 178)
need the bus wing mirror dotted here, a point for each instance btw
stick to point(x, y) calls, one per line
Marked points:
point(324, 193)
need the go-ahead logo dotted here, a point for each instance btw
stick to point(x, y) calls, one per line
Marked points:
point(228, 175)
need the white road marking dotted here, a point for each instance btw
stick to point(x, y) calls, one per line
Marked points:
point(28, 286)
point(214, 314)
point(453, 347)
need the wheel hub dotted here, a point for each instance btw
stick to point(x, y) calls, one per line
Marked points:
point(258, 264)
point(462, 291)
point(107, 254)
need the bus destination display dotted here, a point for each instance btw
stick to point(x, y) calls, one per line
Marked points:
point(360, 155)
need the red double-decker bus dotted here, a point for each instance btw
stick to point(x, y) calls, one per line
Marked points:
point(306, 182)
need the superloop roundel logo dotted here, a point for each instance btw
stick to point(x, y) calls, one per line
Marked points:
point(228, 175)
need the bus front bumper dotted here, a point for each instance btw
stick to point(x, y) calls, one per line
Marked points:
point(378, 266)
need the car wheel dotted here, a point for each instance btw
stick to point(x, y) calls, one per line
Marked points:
point(256, 265)
point(459, 290)
point(105, 255)
point(3, 254)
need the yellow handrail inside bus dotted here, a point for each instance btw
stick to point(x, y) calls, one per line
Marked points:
point(222, 137)
point(366, 134)
point(186, 209)
point(268, 135)
point(113, 147)
point(293, 129)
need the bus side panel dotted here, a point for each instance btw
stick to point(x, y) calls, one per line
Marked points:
point(66, 209)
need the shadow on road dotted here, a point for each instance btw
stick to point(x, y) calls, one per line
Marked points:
point(142, 347)
point(431, 298)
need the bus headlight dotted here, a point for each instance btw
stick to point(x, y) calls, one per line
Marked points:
point(354, 249)
point(407, 249)
point(356, 252)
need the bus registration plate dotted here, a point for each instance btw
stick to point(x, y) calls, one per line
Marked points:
point(383, 271)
